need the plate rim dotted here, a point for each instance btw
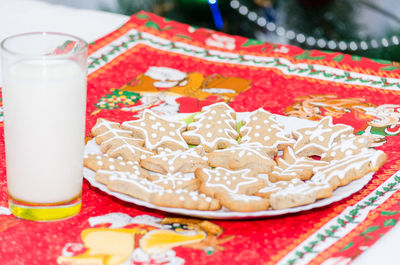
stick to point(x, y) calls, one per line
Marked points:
point(356, 185)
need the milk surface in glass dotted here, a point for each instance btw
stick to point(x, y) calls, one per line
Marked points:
point(44, 108)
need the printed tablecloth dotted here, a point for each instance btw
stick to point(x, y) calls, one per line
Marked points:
point(153, 62)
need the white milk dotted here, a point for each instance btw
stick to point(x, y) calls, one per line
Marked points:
point(44, 111)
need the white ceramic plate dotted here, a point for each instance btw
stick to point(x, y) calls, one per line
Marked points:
point(290, 123)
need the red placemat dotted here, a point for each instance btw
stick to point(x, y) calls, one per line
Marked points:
point(152, 62)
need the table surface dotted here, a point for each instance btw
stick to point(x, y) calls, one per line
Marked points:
point(27, 15)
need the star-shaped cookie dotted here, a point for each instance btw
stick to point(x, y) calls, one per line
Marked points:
point(158, 133)
point(221, 180)
point(319, 138)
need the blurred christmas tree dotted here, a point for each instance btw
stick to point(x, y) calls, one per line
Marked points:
point(362, 27)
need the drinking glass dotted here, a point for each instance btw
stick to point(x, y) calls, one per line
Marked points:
point(44, 100)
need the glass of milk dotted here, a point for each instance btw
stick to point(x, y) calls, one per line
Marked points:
point(44, 100)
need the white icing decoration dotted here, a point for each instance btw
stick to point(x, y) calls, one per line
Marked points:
point(241, 174)
point(179, 156)
point(295, 164)
point(323, 128)
point(176, 180)
point(153, 144)
point(238, 152)
point(227, 125)
point(116, 135)
point(339, 168)
point(252, 130)
point(349, 152)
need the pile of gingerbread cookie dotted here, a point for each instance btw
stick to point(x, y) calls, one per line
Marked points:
point(215, 161)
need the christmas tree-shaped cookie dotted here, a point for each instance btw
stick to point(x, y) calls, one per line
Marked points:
point(213, 128)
